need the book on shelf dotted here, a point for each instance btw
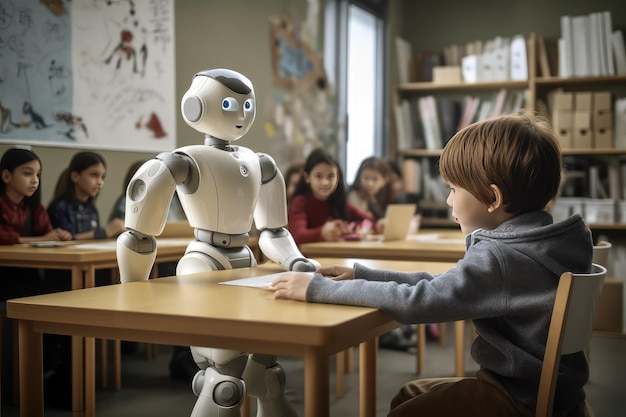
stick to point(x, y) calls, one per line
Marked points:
point(619, 123)
point(449, 111)
point(607, 27)
point(596, 62)
point(586, 47)
point(404, 53)
point(470, 109)
point(615, 185)
point(619, 52)
point(519, 59)
point(430, 122)
point(582, 48)
point(544, 64)
point(566, 48)
point(500, 100)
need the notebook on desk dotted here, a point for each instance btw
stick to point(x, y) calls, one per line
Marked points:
point(398, 219)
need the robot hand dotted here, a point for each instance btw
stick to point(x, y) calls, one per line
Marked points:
point(136, 254)
point(305, 265)
point(279, 246)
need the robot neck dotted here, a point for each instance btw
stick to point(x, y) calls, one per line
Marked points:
point(216, 143)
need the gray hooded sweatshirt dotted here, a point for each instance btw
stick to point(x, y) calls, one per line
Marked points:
point(506, 284)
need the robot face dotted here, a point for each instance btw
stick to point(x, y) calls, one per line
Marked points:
point(220, 103)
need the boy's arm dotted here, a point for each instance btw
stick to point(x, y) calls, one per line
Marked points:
point(369, 274)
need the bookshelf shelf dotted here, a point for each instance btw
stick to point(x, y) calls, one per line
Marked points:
point(429, 87)
point(555, 82)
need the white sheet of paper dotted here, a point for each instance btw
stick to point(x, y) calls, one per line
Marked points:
point(261, 281)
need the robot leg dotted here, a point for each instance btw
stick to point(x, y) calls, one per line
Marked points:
point(265, 380)
point(218, 385)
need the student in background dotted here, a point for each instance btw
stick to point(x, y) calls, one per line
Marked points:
point(73, 207)
point(23, 218)
point(319, 210)
point(502, 172)
point(371, 191)
point(292, 177)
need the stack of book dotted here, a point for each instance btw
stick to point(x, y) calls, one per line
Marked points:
point(589, 47)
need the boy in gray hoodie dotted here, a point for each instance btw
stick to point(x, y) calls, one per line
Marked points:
point(502, 173)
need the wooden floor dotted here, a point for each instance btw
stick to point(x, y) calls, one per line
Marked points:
point(147, 389)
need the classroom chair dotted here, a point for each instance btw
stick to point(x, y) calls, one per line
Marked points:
point(570, 330)
point(601, 257)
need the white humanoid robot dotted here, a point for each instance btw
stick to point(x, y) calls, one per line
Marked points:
point(222, 188)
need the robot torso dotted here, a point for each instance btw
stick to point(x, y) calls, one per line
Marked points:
point(225, 191)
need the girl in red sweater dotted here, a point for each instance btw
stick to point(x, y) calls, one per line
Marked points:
point(318, 210)
point(23, 218)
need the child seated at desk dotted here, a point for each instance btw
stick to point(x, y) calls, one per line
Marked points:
point(318, 210)
point(502, 172)
point(23, 219)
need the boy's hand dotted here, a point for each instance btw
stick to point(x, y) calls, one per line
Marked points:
point(291, 286)
point(337, 272)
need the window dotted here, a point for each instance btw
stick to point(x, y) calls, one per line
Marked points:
point(355, 61)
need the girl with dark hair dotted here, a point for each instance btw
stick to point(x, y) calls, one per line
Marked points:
point(73, 207)
point(319, 210)
point(22, 217)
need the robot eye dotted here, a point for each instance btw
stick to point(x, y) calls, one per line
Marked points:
point(248, 105)
point(230, 104)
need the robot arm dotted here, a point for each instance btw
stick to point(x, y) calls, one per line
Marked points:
point(148, 198)
point(270, 217)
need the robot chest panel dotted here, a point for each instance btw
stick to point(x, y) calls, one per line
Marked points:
point(229, 184)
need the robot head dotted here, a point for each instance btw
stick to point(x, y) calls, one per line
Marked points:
point(220, 103)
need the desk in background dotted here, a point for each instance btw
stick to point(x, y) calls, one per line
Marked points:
point(429, 245)
point(82, 259)
point(195, 310)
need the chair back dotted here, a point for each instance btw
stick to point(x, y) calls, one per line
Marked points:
point(570, 328)
point(601, 253)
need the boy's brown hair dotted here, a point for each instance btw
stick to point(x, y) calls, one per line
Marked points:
point(518, 153)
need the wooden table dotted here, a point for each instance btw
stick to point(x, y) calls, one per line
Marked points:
point(434, 245)
point(428, 245)
point(82, 259)
point(195, 310)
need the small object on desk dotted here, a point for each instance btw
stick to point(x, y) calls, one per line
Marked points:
point(261, 281)
point(52, 243)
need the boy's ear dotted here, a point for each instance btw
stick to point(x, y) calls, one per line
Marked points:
point(497, 199)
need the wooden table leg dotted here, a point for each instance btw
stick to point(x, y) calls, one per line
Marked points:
point(459, 331)
point(368, 357)
point(31, 370)
point(90, 377)
point(421, 348)
point(340, 372)
point(316, 384)
point(78, 404)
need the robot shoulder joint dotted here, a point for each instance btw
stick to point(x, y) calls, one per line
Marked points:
point(268, 167)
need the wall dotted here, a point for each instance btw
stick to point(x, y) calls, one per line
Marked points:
point(209, 34)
